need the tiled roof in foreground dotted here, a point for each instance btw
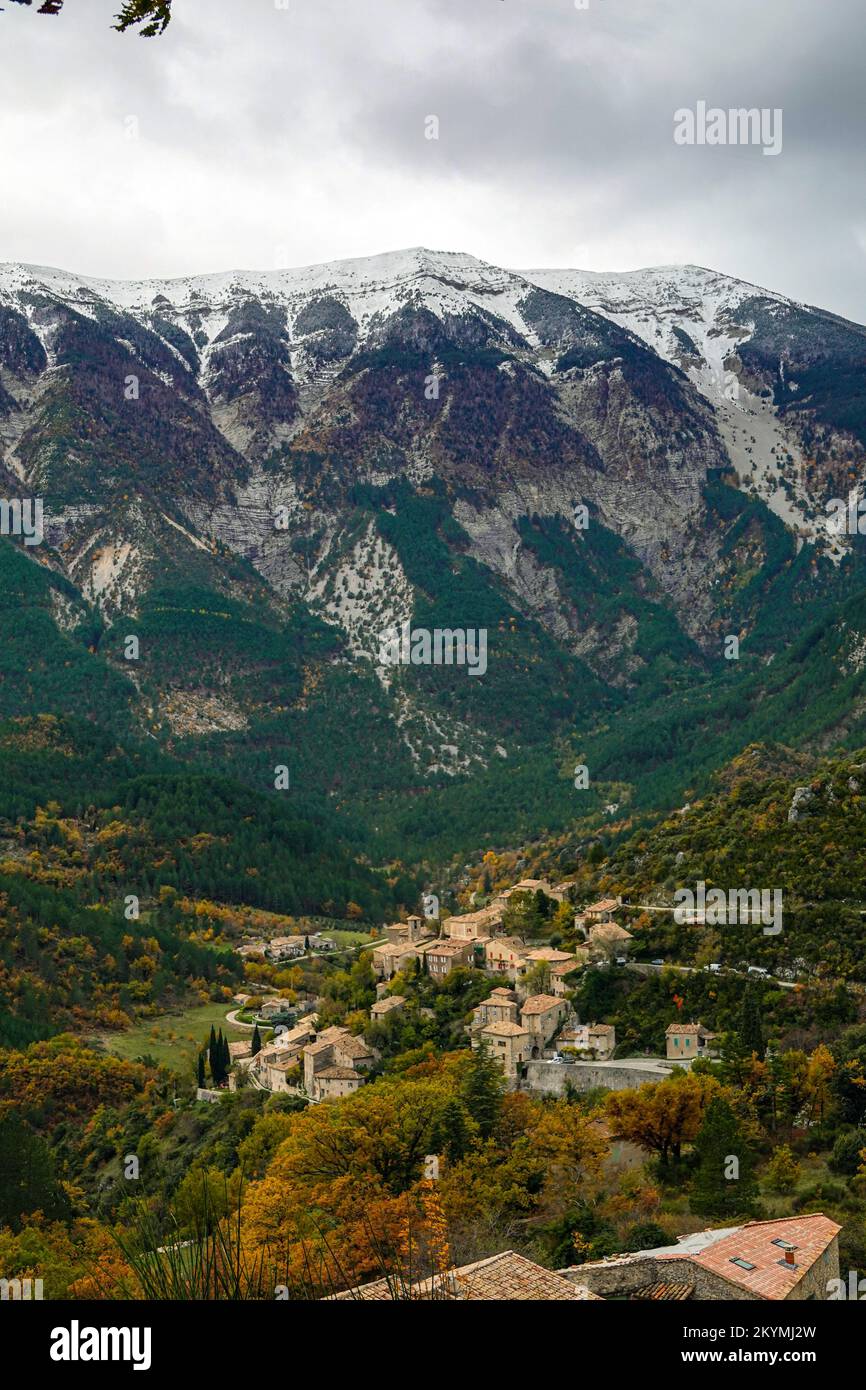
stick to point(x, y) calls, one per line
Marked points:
point(504, 1277)
point(754, 1257)
point(757, 1244)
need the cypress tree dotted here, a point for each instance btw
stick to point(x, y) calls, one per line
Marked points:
point(483, 1089)
point(455, 1130)
point(750, 1025)
point(217, 1060)
point(257, 1041)
point(724, 1182)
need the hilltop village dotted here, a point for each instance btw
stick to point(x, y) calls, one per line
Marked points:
point(527, 1021)
point(520, 964)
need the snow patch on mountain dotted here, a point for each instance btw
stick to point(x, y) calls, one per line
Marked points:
point(694, 318)
point(370, 287)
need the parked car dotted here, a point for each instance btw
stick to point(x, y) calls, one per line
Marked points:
point(656, 962)
point(759, 971)
point(714, 967)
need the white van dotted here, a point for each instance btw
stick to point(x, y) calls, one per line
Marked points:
point(758, 970)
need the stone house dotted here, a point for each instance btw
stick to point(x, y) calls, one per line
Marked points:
point(500, 1007)
point(685, 1041)
point(391, 957)
point(509, 1043)
point(385, 1008)
point(541, 1016)
point(474, 926)
point(443, 956)
point(281, 1055)
point(274, 1069)
point(413, 930)
point(335, 1049)
point(332, 1083)
point(507, 1277)
point(788, 1258)
point(600, 911)
point(562, 976)
point(251, 948)
point(273, 1008)
point(597, 1038)
point(548, 955)
point(532, 885)
point(318, 942)
point(505, 955)
point(609, 939)
point(292, 1040)
point(284, 947)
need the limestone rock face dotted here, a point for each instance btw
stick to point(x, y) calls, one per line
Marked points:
point(352, 437)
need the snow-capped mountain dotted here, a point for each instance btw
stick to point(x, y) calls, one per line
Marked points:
point(347, 436)
point(711, 326)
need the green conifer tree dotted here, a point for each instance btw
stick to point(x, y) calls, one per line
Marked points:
point(750, 1025)
point(724, 1183)
point(483, 1089)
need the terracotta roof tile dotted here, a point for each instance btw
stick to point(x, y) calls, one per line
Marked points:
point(540, 1003)
point(753, 1243)
point(506, 1277)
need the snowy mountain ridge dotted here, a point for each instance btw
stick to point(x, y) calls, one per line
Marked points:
point(363, 439)
point(443, 282)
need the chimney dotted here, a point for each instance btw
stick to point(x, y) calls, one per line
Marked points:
point(789, 1258)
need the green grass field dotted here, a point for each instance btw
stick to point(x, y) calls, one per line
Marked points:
point(348, 938)
point(174, 1039)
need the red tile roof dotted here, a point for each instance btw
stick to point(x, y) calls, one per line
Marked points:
point(540, 1004)
point(771, 1277)
point(506, 1277)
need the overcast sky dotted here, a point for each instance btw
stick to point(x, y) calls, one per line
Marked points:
point(270, 136)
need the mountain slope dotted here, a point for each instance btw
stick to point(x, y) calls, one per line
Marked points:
point(786, 380)
point(258, 475)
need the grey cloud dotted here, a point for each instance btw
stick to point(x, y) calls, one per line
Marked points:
point(306, 127)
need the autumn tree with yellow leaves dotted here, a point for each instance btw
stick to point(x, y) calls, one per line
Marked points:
point(661, 1117)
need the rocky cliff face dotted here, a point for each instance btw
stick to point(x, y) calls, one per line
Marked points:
point(592, 461)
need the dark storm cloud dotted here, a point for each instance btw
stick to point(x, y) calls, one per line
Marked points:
point(298, 135)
